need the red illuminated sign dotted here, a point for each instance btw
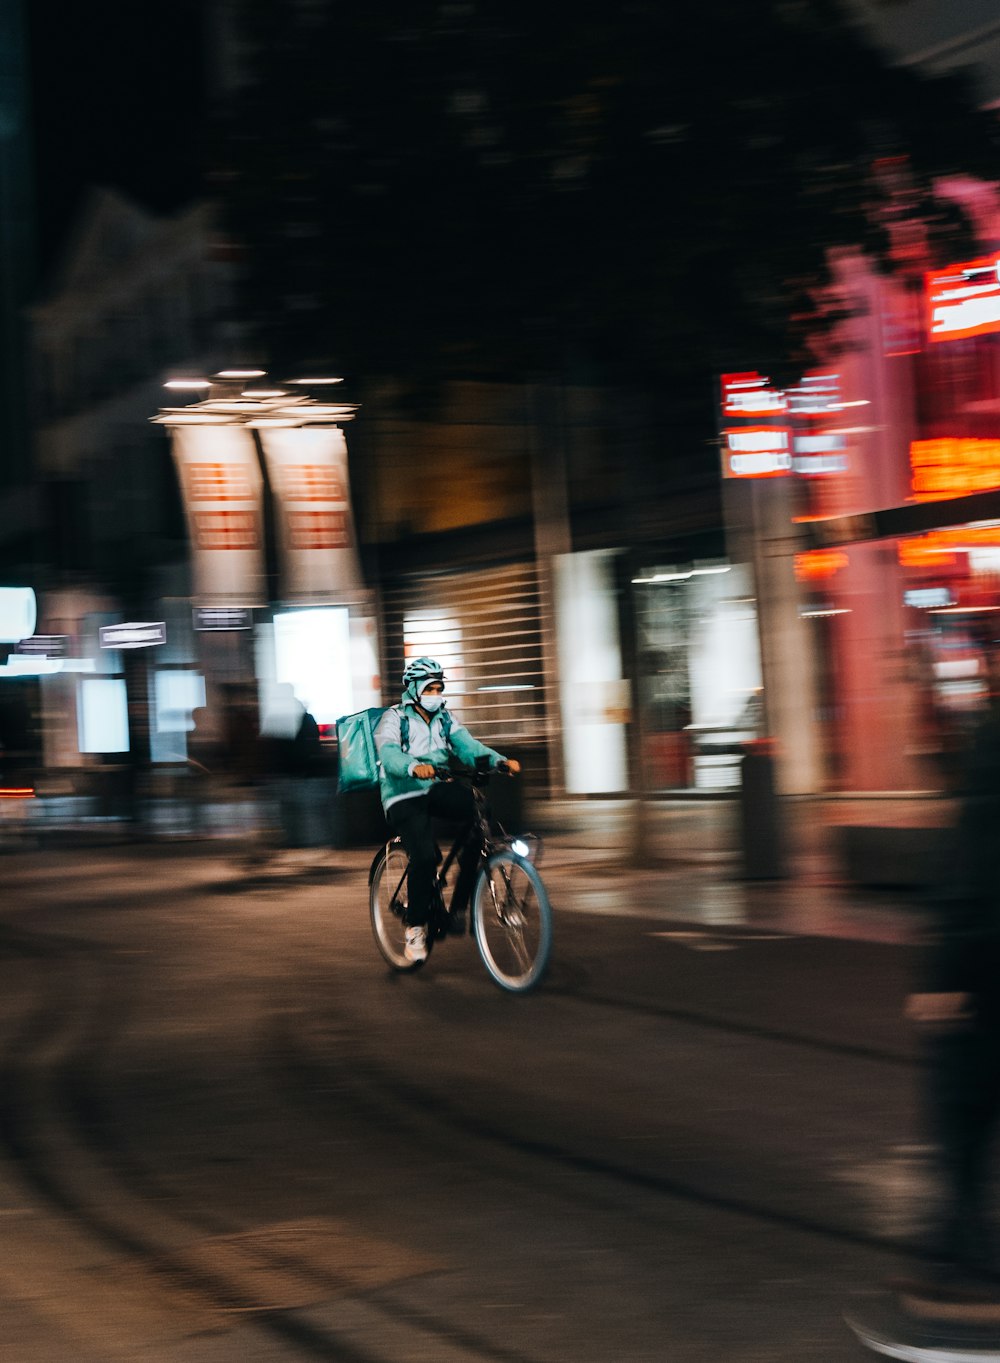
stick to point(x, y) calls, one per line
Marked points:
point(963, 300)
point(750, 395)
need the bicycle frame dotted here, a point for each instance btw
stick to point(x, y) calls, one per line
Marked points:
point(492, 835)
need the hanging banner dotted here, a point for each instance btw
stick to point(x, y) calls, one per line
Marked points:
point(307, 468)
point(222, 486)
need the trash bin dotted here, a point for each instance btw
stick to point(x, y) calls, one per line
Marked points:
point(762, 833)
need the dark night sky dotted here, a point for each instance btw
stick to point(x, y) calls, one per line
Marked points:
point(118, 94)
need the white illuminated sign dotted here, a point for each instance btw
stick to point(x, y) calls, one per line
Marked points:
point(219, 618)
point(145, 634)
point(928, 598)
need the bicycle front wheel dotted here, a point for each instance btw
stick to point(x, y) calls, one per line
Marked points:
point(387, 902)
point(512, 921)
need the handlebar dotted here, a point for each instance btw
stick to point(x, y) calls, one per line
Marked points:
point(480, 772)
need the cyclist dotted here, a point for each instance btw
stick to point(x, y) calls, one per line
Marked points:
point(412, 739)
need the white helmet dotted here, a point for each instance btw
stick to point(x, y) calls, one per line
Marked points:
point(417, 674)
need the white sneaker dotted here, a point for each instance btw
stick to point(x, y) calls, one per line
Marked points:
point(416, 944)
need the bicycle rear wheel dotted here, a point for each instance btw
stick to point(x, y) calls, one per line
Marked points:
point(387, 903)
point(512, 922)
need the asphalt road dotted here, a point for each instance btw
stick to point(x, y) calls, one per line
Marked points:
point(228, 1133)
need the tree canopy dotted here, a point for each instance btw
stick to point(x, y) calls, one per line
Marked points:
point(625, 190)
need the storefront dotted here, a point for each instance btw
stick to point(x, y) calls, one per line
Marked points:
point(894, 540)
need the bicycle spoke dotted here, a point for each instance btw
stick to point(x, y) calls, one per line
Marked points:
point(387, 903)
point(512, 921)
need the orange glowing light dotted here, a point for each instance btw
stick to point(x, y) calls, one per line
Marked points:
point(815, 565)
point(939, 547)
point(16, 792)
point(953, 467)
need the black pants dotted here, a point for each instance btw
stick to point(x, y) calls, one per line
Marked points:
point(964, 1102)
point(411, 819)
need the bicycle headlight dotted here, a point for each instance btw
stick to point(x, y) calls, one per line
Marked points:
point(520, 847)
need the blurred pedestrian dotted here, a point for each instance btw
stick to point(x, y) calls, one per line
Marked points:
point(205, 763)
point(301, 779)
point(958, 1010)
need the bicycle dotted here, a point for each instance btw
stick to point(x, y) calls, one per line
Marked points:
point(511, 918)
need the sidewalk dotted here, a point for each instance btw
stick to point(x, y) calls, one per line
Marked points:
point(679, 861)
point(690, 868)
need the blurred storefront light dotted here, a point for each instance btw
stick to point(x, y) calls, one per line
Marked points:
point(685, 575)
point(816, 565)
point(18, 613)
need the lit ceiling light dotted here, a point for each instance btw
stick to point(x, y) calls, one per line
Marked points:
point(304, 382)
point(963, 610)
point(241, 373)
point(187, 383)
point(188, 417)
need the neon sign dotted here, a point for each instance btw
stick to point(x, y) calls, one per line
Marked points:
point(963, 300)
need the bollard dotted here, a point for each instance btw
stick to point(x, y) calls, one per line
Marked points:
point(763, 837)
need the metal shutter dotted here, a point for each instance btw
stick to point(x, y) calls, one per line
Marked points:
point(485, 627)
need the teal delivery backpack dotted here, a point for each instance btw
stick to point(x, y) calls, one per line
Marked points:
point(356, 749)
point(356, 745)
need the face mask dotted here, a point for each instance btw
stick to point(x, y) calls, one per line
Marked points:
point(431, 703)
